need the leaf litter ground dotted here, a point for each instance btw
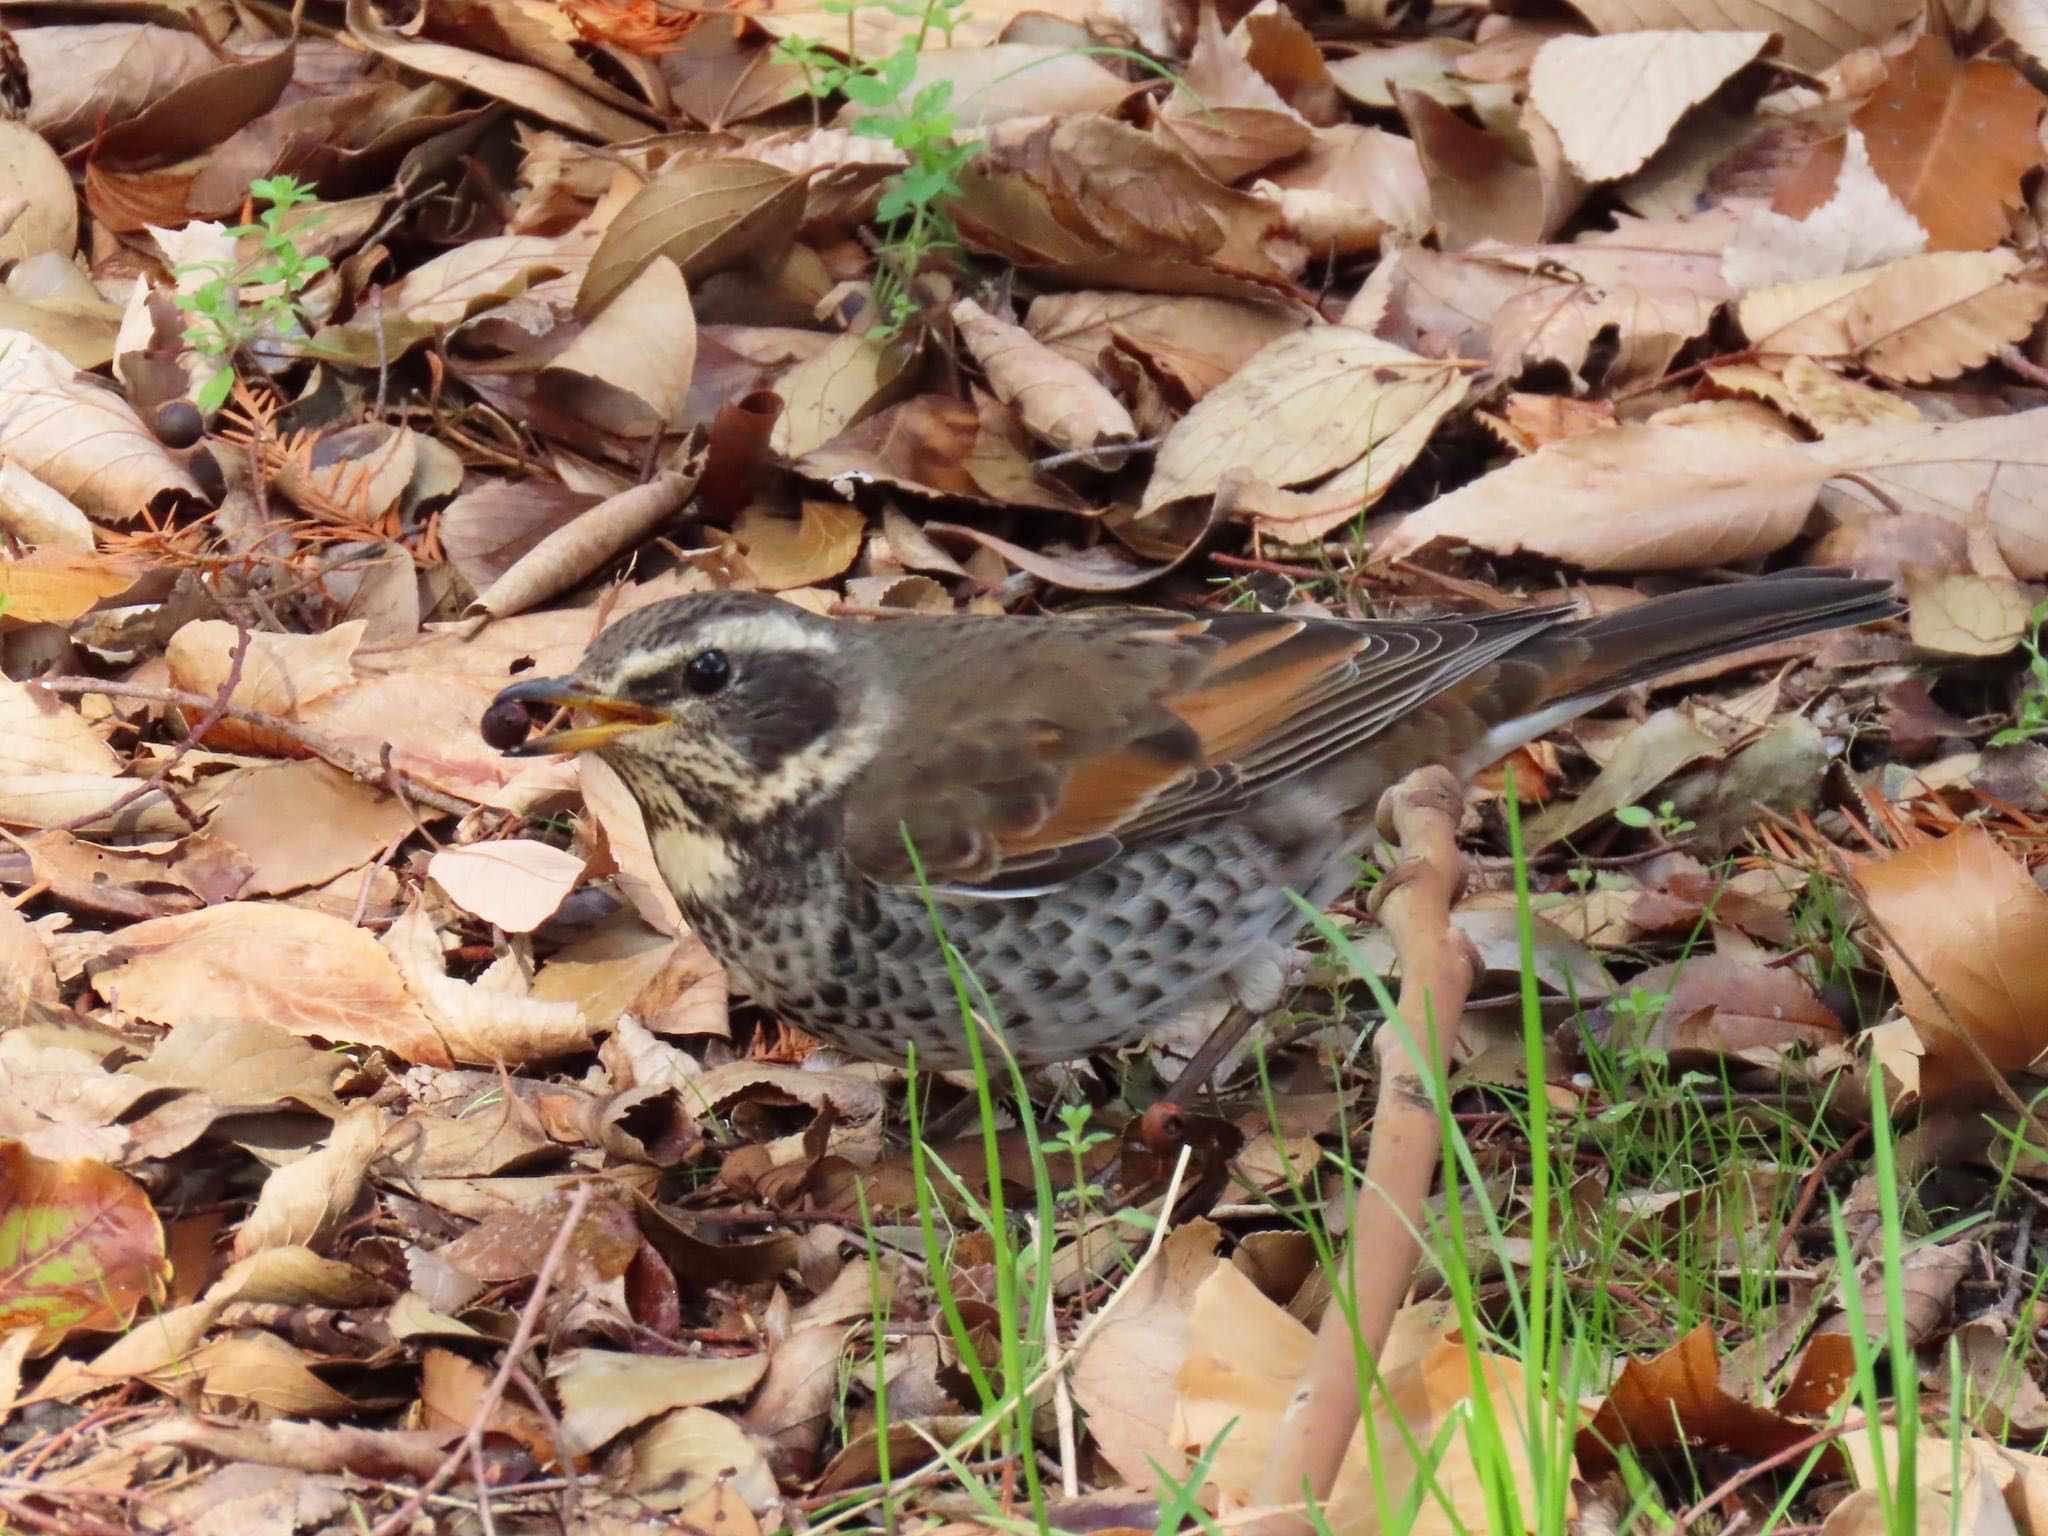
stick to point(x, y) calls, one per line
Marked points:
point(378, 1148)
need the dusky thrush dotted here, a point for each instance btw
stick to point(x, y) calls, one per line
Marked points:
point(1110, 808)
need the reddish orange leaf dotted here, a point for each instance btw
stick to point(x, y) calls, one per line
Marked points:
point(80, 1246)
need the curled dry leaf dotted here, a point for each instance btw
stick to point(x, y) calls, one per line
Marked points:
point(1060, 401)
point(515, 883)
point(1614, 100)
point(1309, 406)
point(704, 215)
point(1815, 33)
point(302, 1202)
point(1630, 498)
point(571, 553)
point(494, 1019)
point(786, 552)
point(1926, 317)
point(302, 971)
point(80, 1247)
point(1962, 926)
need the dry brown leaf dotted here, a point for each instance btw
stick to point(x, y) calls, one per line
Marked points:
point(642, 344)
point(705, 216)
point(606, 1392)
point(1862, 224)
point(259, 961)
point(1306, 407)
point(281, 674)
point(526, 87)
point(1560, 322)
point(86, 77)
point(302, 823)
point(301, 1203)
point(1962, 925)
point(1829, 402)
point(494, 1019)
point(802, 551)
point(1123, 1378)
point(26, 979)
point(515, 883)
point(1952, 139)
point(1351, 188)
point(79, 438)
point(1815, 33)
point(581, 548)
point(1991, 470)
point(1632, 498)
point(1479, 189)
point(1965, 615)
point(1192, 343)
point(1926, 317)
point(55, 586)
point(45, 213)
point(40, 733)
point(1059, 401)
point(1652, 752)
point(1614, 100)
point(826, 394)
point(625, 835)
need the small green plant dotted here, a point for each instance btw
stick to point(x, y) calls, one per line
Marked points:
point(1665, 820)
point(915, 208)
point(224, 323)
point(2030, 711)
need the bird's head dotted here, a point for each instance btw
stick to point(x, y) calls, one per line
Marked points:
point(735, 704)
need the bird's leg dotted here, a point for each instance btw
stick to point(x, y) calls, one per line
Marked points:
point(1221, 1041)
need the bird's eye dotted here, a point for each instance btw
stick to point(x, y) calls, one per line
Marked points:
point(707, 672)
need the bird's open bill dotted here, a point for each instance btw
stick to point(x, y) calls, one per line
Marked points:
point(613, 716)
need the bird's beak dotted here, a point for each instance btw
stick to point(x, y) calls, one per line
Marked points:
point(614, 716)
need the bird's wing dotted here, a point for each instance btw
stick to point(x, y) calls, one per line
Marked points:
point(1031, 762)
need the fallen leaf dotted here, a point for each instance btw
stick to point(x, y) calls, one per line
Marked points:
point(1614, 100)
point(1960, 924)
point(515, 883)
point(703, 215)
point(80, 1248)
point(1815, 33)
point(1059, 401)
point(784, 552)
point(305, 972)
point(605, 1392)
point(1965, 615)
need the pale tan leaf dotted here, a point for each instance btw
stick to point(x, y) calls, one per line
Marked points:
point(824, 395)
point(1962, 926)
point(816, 545)
point(478, 274)
point(60, 799)
point(1123, 1379)
point(1352, 187)
point(606, 1392)
point(1829, 402)
point(26, 979)
point(281, 674)
point(40, 733)
point(1814, 33)
point(1995, 467)
point(1559, 322)
point(1195, 342)
point(578, 549)
point(1308, 405)
point(1965, 615)
point(302, 823)
point(704, 215)
point(2026, 23)
point(1926, 317)
point(1862, 225)
point(301, 1203)
point(643, 343)
point(302, 971)
point(625, 835)
point(1651, 753)
point(82, 440)
point(1614, 100)
point(697, 1454)
point(494, 1019)
point(1060, 402)
point(47, 216)
point(1631, 498)
point(515, 883)
point(1020, 79)
point(37, 515)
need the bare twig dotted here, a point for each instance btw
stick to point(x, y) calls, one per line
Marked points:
point(470, 1448)
point(193, 738)
point(1414, 903)
point(323, 747)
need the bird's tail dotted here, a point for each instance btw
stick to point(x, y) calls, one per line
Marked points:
point(1667, 634)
